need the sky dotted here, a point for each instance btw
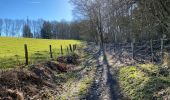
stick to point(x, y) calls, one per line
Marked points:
point(34, 9)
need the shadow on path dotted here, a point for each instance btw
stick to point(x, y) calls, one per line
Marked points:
point(105, 86)
point(111, 81)
point(94, 91)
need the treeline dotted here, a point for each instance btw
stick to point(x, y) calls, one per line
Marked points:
point(100, 21)
point(123, 20)
point(9, 27)
point(40, 29)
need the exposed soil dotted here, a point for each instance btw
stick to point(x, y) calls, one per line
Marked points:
point(37, 81)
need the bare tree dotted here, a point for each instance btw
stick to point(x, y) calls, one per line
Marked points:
point(18, 26)
point(7, 24)
point(1, 26)
point(125, 20)
point(12, 28)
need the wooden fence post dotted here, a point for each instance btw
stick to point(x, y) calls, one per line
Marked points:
point(67, 50)
point(114, 46)
point(74, 47)
point(151, 45)
point(162, 45)
point(61, 50)
point(51, 54)
point(26, 54)
point(71, 48)
point(132, 46)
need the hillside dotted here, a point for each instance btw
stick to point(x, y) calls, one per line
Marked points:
point(12, 49)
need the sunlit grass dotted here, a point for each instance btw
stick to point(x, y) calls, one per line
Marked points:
point(150, 68)
point(139, 82)
point(12, 49)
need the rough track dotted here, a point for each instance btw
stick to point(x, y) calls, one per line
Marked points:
point(105, 86)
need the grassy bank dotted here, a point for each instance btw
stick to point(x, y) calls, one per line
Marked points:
point(144, 82)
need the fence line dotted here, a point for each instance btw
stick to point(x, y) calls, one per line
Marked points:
point(26, 59)
point(150, 48)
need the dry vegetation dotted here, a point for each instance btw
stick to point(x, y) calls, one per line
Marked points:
point(36, 82)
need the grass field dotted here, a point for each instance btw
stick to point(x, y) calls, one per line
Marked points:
point(12, 50)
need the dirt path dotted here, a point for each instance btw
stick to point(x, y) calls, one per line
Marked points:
point(76, 88)
point(104, 86)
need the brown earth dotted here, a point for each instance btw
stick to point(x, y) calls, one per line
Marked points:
point(38, 81)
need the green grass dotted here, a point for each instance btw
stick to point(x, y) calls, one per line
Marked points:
point(12, 50)
point(141, 82)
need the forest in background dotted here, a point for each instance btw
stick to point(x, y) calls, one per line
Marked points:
point(35, 29)
point(124, 20)
point(101, 21)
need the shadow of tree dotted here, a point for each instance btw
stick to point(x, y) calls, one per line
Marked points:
point(155, 85)
point(94, 90)
point(111, 81)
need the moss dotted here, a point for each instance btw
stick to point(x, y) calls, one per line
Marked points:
point(137, 84)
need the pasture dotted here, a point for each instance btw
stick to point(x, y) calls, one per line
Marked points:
point(12, 50)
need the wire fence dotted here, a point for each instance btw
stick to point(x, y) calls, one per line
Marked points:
point(25, 56)
point(153, 50)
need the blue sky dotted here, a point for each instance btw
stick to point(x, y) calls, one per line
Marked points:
point(34, 9)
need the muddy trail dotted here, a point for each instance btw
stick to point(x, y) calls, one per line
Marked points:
point(104, 86)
